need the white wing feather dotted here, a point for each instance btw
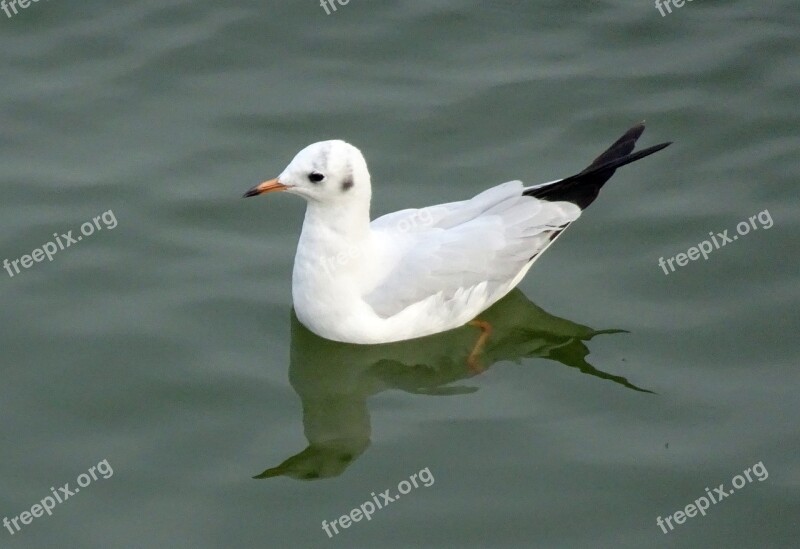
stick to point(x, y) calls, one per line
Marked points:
point(476, 246)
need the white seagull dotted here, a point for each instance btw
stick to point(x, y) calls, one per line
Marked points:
point(418, 272)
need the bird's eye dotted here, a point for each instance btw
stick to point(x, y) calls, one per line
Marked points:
point(315, 177)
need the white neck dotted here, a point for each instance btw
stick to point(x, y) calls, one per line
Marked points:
point(345, 220)
point(335, 242)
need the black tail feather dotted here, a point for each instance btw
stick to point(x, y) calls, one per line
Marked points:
point(581, 189)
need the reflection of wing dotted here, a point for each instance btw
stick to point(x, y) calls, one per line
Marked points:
point(455, 247)
point(334, 380)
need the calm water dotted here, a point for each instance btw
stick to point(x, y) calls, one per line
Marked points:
point(611, 394)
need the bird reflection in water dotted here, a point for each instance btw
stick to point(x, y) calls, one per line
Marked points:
point(334, 380)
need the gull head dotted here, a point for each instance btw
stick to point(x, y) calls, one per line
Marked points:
point(328, 172)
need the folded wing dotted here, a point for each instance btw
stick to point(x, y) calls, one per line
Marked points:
point(447, 251)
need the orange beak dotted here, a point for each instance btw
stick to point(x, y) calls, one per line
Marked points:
point(265, 187)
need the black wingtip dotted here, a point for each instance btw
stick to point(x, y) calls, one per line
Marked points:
point(582, 189)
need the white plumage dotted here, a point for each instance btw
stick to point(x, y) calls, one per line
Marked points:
point(419, 271)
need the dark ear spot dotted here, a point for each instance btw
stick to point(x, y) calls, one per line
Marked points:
point(347, 184)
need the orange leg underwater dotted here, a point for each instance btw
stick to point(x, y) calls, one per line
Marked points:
point(472, 360)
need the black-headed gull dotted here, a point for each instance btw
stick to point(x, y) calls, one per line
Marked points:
point(418, 272)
